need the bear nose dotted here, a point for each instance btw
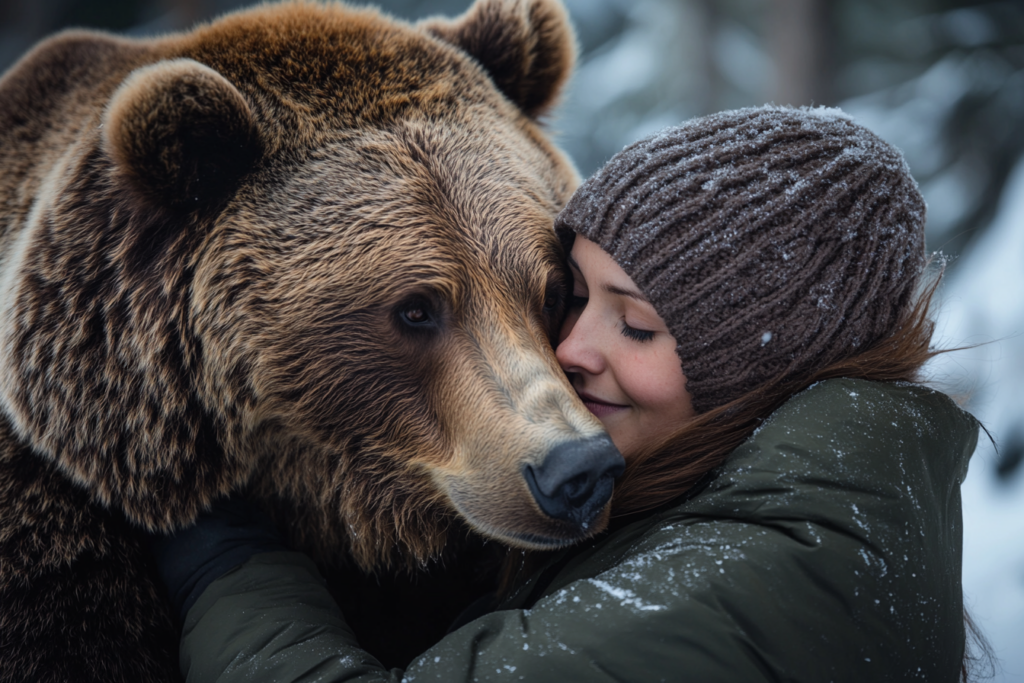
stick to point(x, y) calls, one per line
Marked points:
point(575, 480)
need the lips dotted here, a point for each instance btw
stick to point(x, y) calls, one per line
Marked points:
point(598, 407)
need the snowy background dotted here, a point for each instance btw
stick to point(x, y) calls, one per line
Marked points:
point(941, 79)
point(983, 303)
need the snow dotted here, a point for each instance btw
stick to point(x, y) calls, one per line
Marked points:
point(983, 303)
point(626, 597)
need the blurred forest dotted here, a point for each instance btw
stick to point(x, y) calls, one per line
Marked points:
point(941, 79)
point(946, 77)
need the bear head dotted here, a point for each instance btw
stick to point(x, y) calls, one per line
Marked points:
point(306, 250)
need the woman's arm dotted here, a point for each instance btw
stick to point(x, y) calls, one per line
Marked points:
point(826, 549)
point(272, 619)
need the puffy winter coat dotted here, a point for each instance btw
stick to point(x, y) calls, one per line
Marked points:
point(827, 548)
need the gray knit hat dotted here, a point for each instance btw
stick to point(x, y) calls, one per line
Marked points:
point(772, 241)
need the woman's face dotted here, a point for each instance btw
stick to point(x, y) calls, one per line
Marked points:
point(619, 354)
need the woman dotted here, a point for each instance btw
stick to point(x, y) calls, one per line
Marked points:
point(744, 324)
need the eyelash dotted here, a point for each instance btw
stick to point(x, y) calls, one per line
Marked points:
point(635, 334)
point(576, 301)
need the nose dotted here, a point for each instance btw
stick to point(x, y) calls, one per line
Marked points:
point(575, 479)
point(576, 349)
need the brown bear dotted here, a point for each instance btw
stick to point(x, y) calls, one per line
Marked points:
point(305, 251)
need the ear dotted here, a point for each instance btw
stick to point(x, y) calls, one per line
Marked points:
point(527, 46)
point(180, 133)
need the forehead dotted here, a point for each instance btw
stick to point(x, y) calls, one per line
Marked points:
point(429, 197)
point(597, 267)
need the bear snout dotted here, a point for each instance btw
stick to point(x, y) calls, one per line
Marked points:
point(575, 480)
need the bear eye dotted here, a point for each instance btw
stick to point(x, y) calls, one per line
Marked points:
point(551, 300)
point(554, 296)
point(417, 314)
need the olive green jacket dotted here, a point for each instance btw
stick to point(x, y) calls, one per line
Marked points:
point(827, 548)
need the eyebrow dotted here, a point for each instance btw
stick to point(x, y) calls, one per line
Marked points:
point(631, 293)
point(612, 289)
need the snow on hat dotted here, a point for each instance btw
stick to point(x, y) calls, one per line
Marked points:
point(772, 241)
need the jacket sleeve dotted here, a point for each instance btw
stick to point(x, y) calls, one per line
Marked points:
point(695, 602)
point(828, 549)
point(272, 619)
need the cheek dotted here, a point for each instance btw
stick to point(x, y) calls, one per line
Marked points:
point(656, 383)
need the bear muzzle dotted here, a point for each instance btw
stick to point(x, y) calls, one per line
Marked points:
point(574, 482)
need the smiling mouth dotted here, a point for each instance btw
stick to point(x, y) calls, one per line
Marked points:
point(598, 407)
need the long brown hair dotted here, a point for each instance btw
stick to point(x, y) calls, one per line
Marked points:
point(667, 469)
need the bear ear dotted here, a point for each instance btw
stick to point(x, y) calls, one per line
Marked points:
point(527, 46)
point(180, 133)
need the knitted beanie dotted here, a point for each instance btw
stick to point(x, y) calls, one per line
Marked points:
point(772, 241)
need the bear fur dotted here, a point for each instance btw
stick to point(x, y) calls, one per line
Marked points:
point(304, 251)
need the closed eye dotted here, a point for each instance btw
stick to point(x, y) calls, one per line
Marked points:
point(635, 334)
